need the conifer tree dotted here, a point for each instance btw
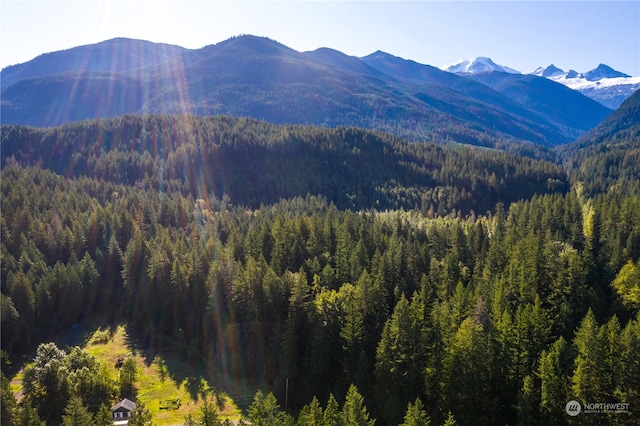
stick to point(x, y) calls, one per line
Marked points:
point(127, 377)
point(528, 402)
point(400, 358)
point(628, 378)
point(332, 415)
point(7, 401)
point(354, 412)
point(468, 375)
point(28, 416)
point(76, 414)
point(554, 371)
point(590, 375)
point(450, 420)
point(311, 414)
point(265, 411)
point(141, 416)
point(416, 415)
point(104, 416)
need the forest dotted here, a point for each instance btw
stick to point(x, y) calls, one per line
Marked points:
point(372, 280)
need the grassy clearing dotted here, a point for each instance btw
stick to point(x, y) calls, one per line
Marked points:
point(16, 385)
point(169, 398)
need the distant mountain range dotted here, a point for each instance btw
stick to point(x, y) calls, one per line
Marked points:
point(603, 83)
point(261, 78)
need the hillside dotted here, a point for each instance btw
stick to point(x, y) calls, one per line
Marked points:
point(554, 101)
point(603, 84)
point(114, 55)
point(330, 271)
point(169, 388)
point(353, 64)
point(316, 305)
point(608, 156)
point(261, 78)
point(256, 163)
point(477, 103)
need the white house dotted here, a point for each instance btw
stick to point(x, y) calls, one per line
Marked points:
point(122, 412)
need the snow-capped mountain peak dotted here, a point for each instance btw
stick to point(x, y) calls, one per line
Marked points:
point(477, 65)
point(603, 84)
point(603, 71)
point(549, 71)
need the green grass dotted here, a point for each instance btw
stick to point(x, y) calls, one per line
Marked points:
point(168, 399)
point(16, 384)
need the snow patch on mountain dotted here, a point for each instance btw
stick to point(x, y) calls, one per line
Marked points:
point(477, 65)
point(549, 71)
point(578, 83)
point(603, 84)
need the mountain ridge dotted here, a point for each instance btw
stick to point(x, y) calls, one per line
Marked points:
point(93, 57)
point(537, 97)
point(259, 162)
point(607, 157)
point(602, 84)
point(262, 78)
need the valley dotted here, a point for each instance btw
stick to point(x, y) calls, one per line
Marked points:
point(244, 233)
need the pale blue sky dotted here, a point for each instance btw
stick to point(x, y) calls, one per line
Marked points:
point(520, 34)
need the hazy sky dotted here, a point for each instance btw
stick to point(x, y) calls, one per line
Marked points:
point(520, 34)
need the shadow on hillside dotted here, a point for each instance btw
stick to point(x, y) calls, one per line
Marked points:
point(76, 335)
point(237, 372)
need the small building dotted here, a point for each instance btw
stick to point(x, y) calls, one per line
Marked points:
point(122, 412)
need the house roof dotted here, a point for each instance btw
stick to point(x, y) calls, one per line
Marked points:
point(126, 404)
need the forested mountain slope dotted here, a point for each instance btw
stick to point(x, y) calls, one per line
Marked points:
point(537, 98)
point(556, 103)
point(255, 163)
point(116, 55)
point(207, 238)
point(608, 156)
point(477, 318)
point(261, 78)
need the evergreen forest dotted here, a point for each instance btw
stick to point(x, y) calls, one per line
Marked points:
point(356, 278)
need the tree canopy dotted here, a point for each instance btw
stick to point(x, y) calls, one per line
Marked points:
point(412, 310)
